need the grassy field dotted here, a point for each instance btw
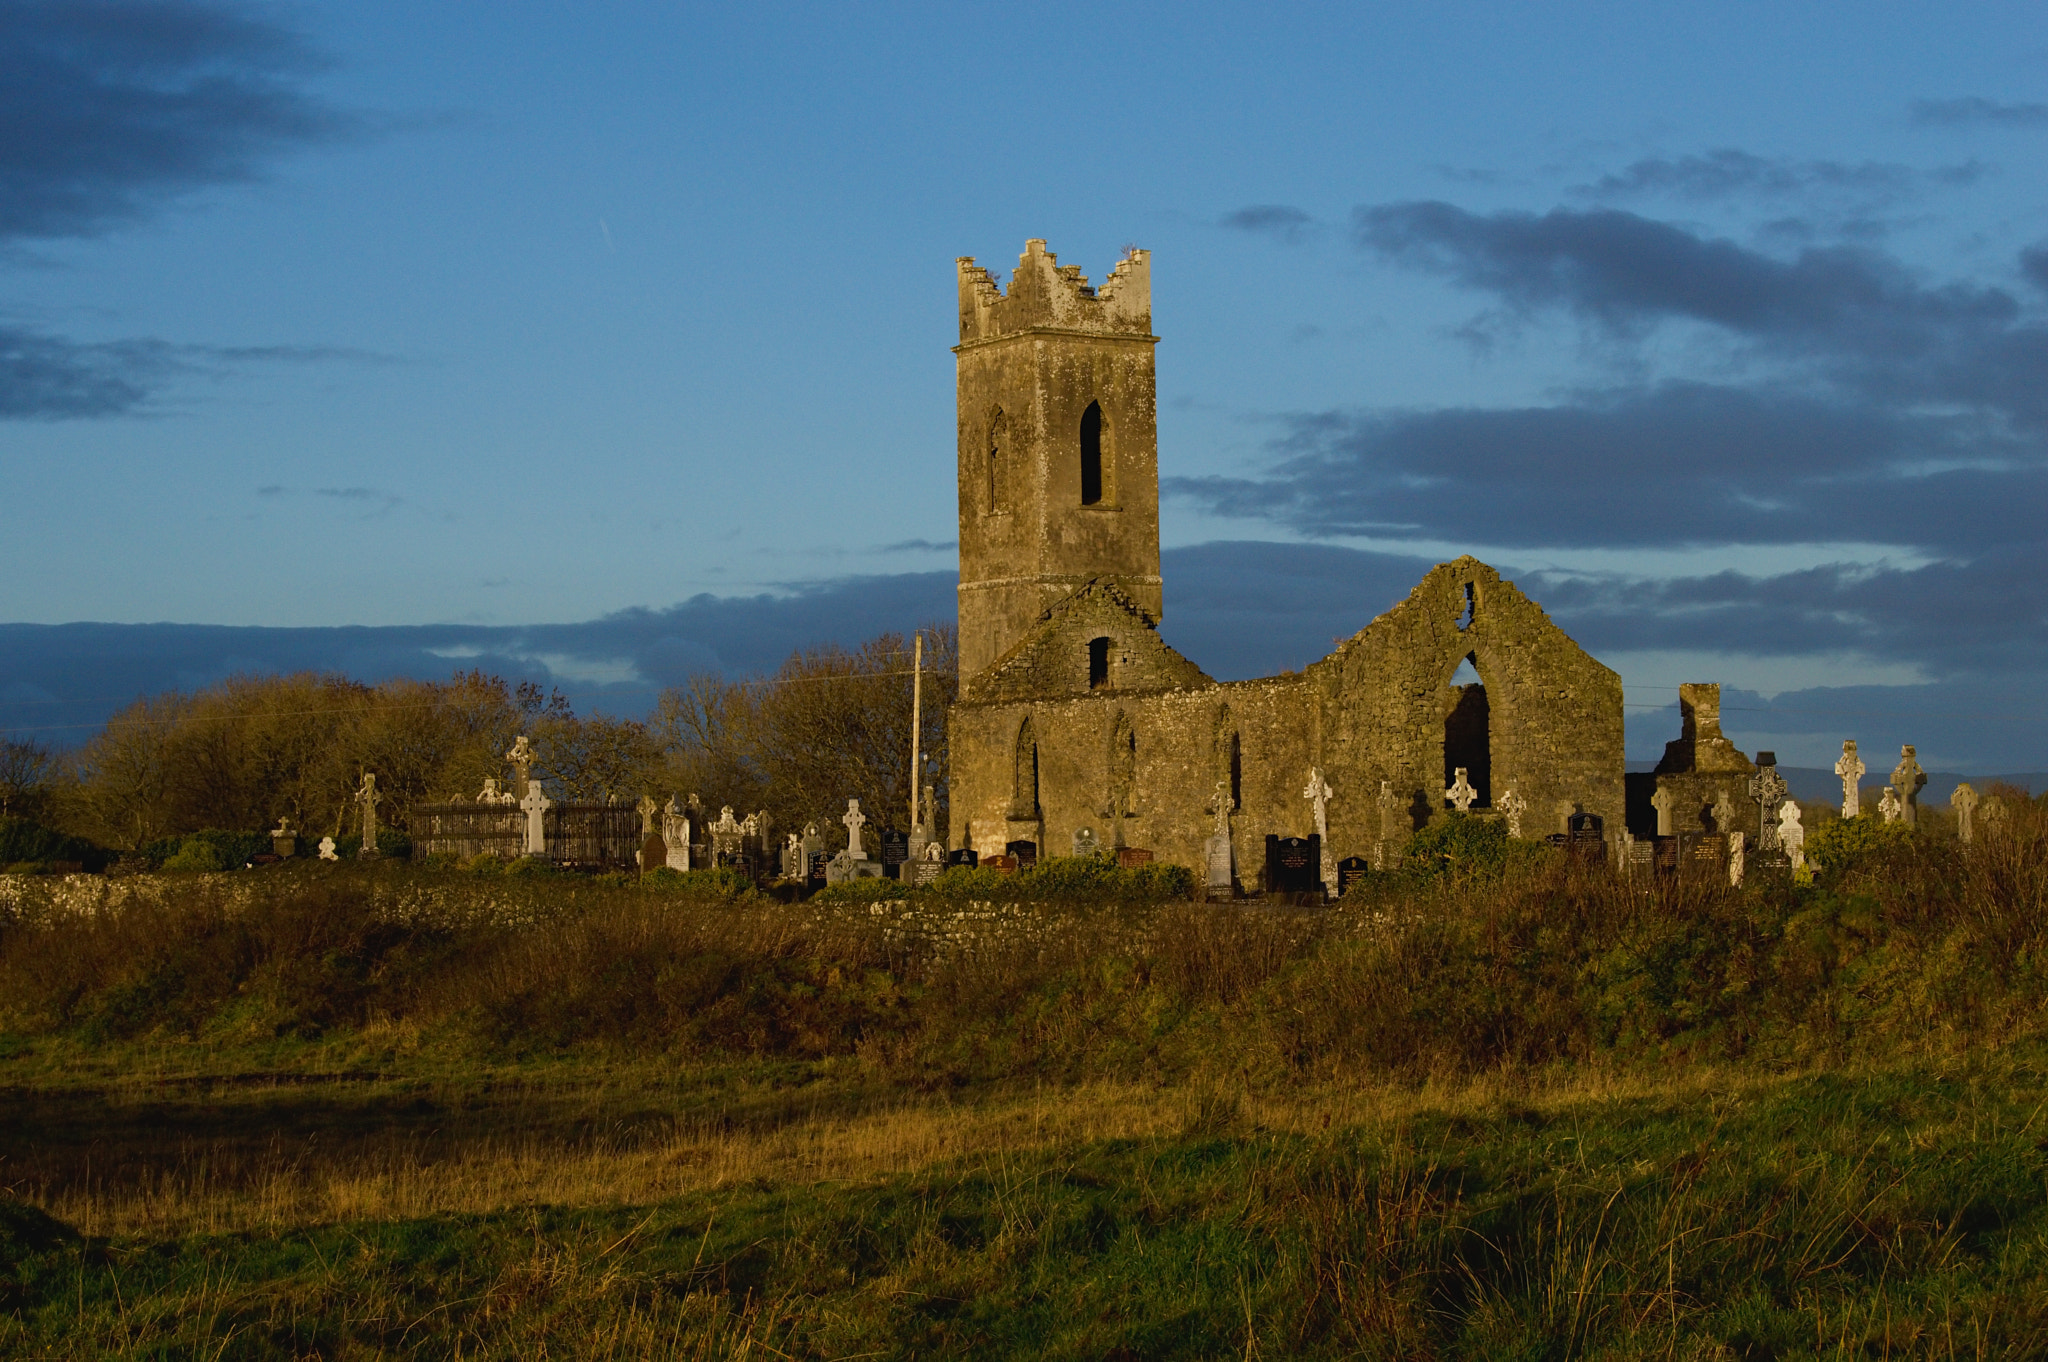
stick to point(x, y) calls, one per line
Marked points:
point(1515, 1111)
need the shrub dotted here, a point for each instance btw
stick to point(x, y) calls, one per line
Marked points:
point(722, 882)
point(24, 841)
point(194, 855)
point(1840, 845)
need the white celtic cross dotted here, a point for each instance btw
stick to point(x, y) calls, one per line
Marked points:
point(1319, 790)
point(1850, 768)
point(855, 820)
point(1461, 792)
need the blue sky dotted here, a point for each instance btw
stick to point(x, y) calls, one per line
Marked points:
point(1723, 329)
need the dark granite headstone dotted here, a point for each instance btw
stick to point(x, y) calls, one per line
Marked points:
point(1587, 839)
point(1767, 867)
point(1350, 871)
point(895, 851)
point(1133, 856)
point(653, 853)
point(816, 878)
point(1294, 865)
point(1025, 853)
point(1703, 853)
point(964, 856)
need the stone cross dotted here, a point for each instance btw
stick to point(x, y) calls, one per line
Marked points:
point(1850, 768)
point(284, 826)
point(1724, 811)
point(1768, 789)
point(1511, 809)
point(1662, 801)
point(929, 826)
point(1461, 792)
point(521, 757)
point(793, 867)
point(1964, 802)
point(536, 805)
point(366, 795)
point(647, 809)
point(1735, 859)
point(1792, 834)
point(1907, 778)
point(1889, 806)
point(1319, 792)
point(855, 820)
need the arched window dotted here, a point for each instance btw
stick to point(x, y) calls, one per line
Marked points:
point(997, 437)
point(1024, 780)
point(1098, 663)
point(1091, 455)
point(1467, 733)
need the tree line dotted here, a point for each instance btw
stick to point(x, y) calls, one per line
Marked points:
point(831, 724)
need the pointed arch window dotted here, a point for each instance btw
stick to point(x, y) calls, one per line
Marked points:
point(998, 436)
point(1091, 455)
point(1024, 777)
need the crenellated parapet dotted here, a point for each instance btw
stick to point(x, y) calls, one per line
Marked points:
point(1045, 295)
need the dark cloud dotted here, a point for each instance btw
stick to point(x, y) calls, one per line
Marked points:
point(1667, 466)
point(1729, 173)
point(46, 377)
point(921, 546)
point(107, 107)
point(1974, 111)
point(1270, 219)
point(2034, 265)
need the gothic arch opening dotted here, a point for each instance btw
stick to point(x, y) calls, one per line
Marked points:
point(1468, 739)
point(1024, 779)
point(1123, 772)
point(1098, 663)
point(1091, 455)
point(997, 437)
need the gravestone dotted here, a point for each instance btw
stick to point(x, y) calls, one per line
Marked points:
point(675, 834)
point(1889, 806)
point(366, 795)
point(653, 853)
point(1850, 768)
point(728, 839)
point(1768, 789)
point(1319, 793)
point(793, 858)
point(814, 872)
point(521, 758)
point(930, 864)
point(1294, 865)
point(1128, 857)
point(1512, 807)
point(813, 843)
point(284, 840)
point(1005, 863)
point(1392, 833)
point(1907, 778)
point(1639, 855)
point(845, 866)
point(855, 820)
point(1792, 835)
point(1085, 842)
point(327, 851)
point(1702, 854)
point(1662, 801)
point(966, 856)
point(1586, 838)
point(1461, 794)
point(1964, 802)
point(1350, 871)
point(1220, 878)
point(536, 803)
point(895, 851)
point(1738, 858)
point(1024, 854)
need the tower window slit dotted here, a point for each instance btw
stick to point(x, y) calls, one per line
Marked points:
point(1091, 455)
point(1098, 663)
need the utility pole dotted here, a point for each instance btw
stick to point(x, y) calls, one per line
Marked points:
point(916, 719)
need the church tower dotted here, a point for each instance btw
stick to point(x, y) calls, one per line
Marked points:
point(1059, 445)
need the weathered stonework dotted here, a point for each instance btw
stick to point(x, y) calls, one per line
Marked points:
point(1075, 714)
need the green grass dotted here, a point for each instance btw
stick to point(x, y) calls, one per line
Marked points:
point(1497, 1108)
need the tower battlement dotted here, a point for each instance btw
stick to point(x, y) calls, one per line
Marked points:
point(1045, 295)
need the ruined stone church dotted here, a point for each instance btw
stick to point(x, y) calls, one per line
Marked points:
point(1078, 725)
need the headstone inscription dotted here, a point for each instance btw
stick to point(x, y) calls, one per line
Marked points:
point(930, 864)
point(1293, 864)
point(1907, 778)
point(1003, 862)
point(1350, 871)
point(1639, 855)
point(895, 851)
point(1964, 802)
point(1850, 768)
point(1703, 854)
point(1131, 857)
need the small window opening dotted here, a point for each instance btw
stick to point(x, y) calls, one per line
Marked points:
point(995, 502)
point(1236, 773)
point(1098, 663)
point(1465, 619)
point(1091, 455)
